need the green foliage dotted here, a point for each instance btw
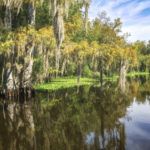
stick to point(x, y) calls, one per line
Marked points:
point(87, 72)
point(71, 68)
point(37, 69)
point(61, 83)
point(43, 14)
point(133, 74)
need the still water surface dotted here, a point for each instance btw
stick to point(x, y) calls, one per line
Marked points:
point(91, 118)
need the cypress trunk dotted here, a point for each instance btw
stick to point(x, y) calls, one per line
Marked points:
point(8, 18)
point(123, 73)
point(9, 79)
point(57, 60)
point(79, 72)
point(101, 71)
point(7, 73)
point(58, 24)
point(63, 67)
point(31, 13)
point(26, 73)
point(46, 65)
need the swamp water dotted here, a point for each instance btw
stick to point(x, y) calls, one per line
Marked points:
point(91, 118)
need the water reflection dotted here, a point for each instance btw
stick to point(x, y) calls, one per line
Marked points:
point(138, 128)
point(93, 118)
point(16, 127)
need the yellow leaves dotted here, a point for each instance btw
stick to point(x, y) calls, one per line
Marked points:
point(94, 45)
point(127, 52)
point(68, 48)
point(133, 56)
point(20, 38)
point(6, 46)
point(25, 35)
point(95, 48)
point(45, 35)
point(70, 28)
point(107, 52)
point(82, 49)
point(46, 32)
point(53, 71)
point(79, 49)
point(84, 45)
point(74, 25)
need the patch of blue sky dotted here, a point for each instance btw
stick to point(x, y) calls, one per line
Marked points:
point(135, 15)
point(145, 12)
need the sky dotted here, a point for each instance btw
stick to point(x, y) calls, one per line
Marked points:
point(135, 15)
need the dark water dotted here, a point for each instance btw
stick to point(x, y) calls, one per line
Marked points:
point(90, 118)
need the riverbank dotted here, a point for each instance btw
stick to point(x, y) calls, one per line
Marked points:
point(61, 83)
point(67, 82)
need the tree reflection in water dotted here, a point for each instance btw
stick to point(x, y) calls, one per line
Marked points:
point(17, 128)
point(69, 120)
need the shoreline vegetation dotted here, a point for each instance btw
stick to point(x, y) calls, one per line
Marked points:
point(68, 82)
